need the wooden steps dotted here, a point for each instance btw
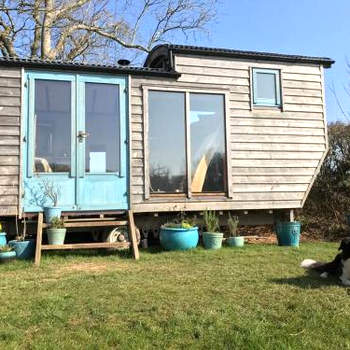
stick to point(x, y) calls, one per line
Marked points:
point(88, 222)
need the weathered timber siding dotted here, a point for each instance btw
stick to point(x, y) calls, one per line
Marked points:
point(275, 154)
point(10, 115)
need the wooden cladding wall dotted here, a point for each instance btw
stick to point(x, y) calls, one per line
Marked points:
point(10, 115)
point(275, 153)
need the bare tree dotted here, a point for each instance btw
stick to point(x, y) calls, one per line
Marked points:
point(94, 30)
point(339, 102)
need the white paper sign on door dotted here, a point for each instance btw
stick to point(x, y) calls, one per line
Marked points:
point(97, 162)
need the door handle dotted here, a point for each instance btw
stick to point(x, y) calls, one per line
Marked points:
point(82, 135)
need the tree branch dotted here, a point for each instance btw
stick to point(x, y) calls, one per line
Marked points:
point(112, 35)
point(7, 47)
point(56, 28)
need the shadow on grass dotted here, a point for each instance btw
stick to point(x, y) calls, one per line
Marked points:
point(158, 249)
point(309, 281)
point(123, 254)
point(154, 249)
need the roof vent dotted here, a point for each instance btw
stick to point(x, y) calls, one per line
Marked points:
point(123, 62)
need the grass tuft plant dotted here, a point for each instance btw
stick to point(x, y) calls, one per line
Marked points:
point(182, 221)
point(232, 223)
point(183, 224)
point(211, 221)
point(6, 248)
point(56, 222)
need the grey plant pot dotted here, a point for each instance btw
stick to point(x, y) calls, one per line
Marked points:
point(56, 236)
point(237, 241)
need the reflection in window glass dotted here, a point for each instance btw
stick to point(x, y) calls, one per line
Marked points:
point(53, 126)
point(208, 163)
point(167, 157)
point(102, 125)
point(265, 86)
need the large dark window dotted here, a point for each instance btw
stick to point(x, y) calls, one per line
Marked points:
point(167, 143)
point(167, 155)
point(52, 126)
point(208, 159)
point(102, 125)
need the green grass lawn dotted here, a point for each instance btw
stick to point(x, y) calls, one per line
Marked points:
point(256, 297)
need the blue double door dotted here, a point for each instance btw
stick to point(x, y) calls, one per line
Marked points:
point(75, 141)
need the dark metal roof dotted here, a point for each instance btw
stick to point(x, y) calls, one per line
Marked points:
point(207, 51)
point(159, 61)
point(78, 66)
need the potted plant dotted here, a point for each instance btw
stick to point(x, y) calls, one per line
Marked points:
point(233, 240)
point(181, 235)
point(212, 239)
point(52, 192)
point(7, 253)
point(56, 233)
point(2, 237)
point(288, 233)
point(24, 248)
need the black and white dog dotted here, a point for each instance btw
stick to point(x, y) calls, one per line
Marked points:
point(339, 267)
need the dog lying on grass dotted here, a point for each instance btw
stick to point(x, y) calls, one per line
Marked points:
point(339, 267)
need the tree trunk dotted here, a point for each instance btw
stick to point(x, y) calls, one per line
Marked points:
point(46, 30)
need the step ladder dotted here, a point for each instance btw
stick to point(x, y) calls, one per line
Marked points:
point(88, 222)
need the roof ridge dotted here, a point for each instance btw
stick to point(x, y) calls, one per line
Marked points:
point(74, 65)
point(202, 50)
point(263, 53)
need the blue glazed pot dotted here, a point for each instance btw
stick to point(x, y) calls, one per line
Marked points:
point(3, 238)
point(51, 212)
point(7, 256)
point(288, 234)
point(178, 238)
point(24, 249)
point(235, 241)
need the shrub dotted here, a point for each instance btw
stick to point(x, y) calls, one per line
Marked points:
point(329, 198)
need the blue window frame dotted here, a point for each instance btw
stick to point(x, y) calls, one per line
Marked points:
point(266, 87)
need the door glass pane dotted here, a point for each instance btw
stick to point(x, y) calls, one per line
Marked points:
point(208, 157)
point(167, 157)
point(52, 126)
point(266, 86)
point(102, 147)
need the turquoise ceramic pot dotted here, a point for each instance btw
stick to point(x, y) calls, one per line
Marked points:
point(235, 241)
point(212, 240)
point(7, 256)
point(51, 212)
point(178, 238)
point(3, 238)
point(24, 249)
point(288, 234)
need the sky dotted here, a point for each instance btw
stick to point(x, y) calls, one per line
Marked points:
point(301, 27)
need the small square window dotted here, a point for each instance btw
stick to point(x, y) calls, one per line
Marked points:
point(266, 87)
